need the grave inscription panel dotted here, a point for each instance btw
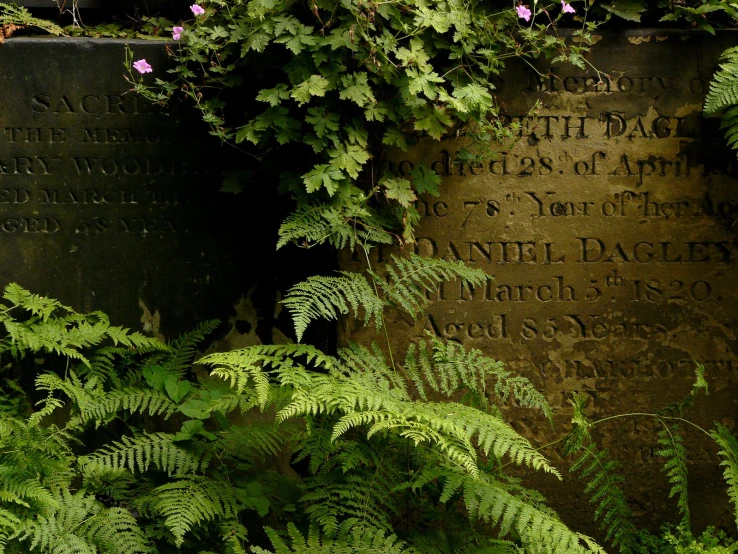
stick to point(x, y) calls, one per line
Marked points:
point(609, 229)
point(106, 201)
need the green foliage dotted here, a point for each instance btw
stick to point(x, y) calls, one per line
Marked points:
point(603, 484)
point(14, 17)
point(332, 85)
point(111, 473)
point(680, 540)
point(729, 453)
point(348, 539)
point(723, 95)
point(405, 285)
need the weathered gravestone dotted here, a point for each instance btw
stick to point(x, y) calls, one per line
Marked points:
point(108, 203)
point(610, 230)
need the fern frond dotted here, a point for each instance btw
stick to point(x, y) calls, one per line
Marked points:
point(341, 228)
point(253, 440)
point(245, 367)
point(723, 95)
point(133, 400)
point(540, 531)
point(189, 501)
point(604, 487)
point(18, 15)
point(729, 453)
point(448, 368)
point(409, 279)
point(82, 525)
point(448, 426)
point(675, 466)
point(723, 90)
point(139, 453)
point(329, 297)
point(361, 497)
point(184, 347)
point(350, 539)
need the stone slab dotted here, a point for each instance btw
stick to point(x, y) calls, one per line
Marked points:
point(610, 229)
point(107, 202)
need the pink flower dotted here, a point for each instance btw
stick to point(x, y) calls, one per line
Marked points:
point(566, 8)
point(197, 10)
point(523, 12)
point(142, 66)
point(177, 32)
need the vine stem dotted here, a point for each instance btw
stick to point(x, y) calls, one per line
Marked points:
point(658, 417)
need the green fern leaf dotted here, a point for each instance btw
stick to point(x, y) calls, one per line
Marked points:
point(675, 466)
point(329, 297)
point(409, 279)
point(351, 539)
point(139, 453)
point(729, 453)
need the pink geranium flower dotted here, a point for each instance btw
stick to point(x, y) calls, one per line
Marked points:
point(142, 66)
point(197, 10)
point(523, 12)
point(177, 32)
point(566, 8)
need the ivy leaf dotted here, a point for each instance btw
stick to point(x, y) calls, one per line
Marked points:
point(235, 181)
point(394, 136)
point(350, 158)
point(474, 95)
point(190, 429)
point(323, 176)
point(315, 85)
point(257, 42)
point(375, 112)
point(323, 122)
point(435, 18)
point(629, 10)
point(399, 189)
point(293, 34)
point(355, 87)
point(425, 180)
point(195, 408)
point(155, 376)
point(274, 96)
point(434, 121)
point(176, 389)
point(415, 55)
point(422, 81)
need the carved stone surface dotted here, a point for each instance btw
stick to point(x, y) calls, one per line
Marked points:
point(610, 230)
point(108, 203)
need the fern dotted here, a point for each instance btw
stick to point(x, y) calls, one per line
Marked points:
point(139, 453)
point(490, 501)
point(349, 539)
point(189, 501)
point(447, 368)
point(11, 14)
point(729, 453)
point(359, 400)
point(408, 280)
point(82, 525)
point(54, 328)
point(329, 297)
point(675, 466)
point(723, 95)
point(339, 226)
point(603, 485)
point(183, 348)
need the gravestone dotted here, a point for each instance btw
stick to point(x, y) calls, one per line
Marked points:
point(609, 227)
point(110, 203)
